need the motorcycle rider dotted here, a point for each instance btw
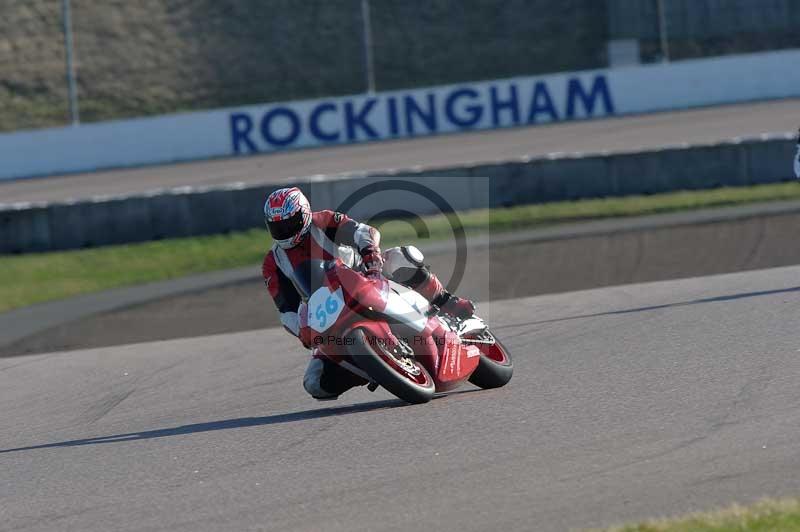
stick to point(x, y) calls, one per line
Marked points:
point(300, 234)
point(797, 157)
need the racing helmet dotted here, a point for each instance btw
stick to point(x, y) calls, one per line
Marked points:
point(287, 214)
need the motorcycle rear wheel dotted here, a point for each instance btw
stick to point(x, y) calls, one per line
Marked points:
point(495, 367)
point(406, 378)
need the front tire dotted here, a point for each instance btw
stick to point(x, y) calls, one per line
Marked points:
point(495, 367)
point(404, 377)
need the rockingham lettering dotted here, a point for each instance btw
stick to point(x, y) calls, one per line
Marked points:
point(486, 105)
point(472, 113)
point(356, 118)
point(316, 128)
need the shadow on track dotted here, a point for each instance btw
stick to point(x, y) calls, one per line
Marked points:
point(717, 299)
point(221, 425)
point(238, 423)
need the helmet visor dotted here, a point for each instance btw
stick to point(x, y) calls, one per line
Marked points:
point(288, 228)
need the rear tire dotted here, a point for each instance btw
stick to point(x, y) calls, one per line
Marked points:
point(376, 360)
point(495, 367)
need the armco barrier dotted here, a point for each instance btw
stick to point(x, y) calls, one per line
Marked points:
point(191, 211)
point(577, 176)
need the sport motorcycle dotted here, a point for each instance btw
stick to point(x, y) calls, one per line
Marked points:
point(390, 336)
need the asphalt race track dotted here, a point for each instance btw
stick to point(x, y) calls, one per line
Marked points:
point(627, 402)
point(619, 134)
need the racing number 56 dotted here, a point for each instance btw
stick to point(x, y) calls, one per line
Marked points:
point(331, 306)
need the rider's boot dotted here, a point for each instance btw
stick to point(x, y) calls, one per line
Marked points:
point(432, 290)
point(455, 306)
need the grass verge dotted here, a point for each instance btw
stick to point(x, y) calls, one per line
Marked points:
point(767, 515)
point(35, 278)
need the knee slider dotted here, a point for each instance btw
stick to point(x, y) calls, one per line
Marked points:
point(312, 380)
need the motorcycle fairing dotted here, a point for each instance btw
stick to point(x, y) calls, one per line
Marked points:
point(458, 361)
point(324, 307)
point(400, 310)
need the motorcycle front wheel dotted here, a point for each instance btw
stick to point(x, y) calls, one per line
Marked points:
point(392, 368)
point(495, 367)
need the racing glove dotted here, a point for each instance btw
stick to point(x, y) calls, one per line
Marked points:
point(373, 261)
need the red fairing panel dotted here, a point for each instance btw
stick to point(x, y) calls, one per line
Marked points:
point(457, 362)
point(364, 293)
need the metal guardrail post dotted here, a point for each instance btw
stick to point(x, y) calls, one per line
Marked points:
point(74, 113)
point(662, 31)
point(367, 35)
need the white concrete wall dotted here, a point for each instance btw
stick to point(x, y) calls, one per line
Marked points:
point(400, 114)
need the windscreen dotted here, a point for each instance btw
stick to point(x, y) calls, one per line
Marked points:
point(309, 276)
